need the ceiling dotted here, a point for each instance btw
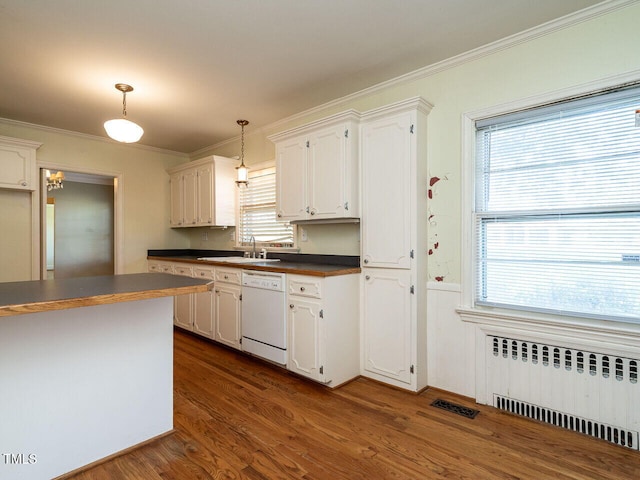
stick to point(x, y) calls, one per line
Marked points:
point(199, 65)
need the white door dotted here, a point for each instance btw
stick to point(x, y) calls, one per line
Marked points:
point(177, 200)
point(190, 185)
point(182, 311)
point(306, 338)
point(386, 192)
point(227, 308)
point(326, 173)
point(291, 174)
point(387, 314)
point(203, 311)
point(205, 194)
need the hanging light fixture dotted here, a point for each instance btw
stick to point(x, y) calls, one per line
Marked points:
point(54, 180)
point(243, 172)
point(121, 129)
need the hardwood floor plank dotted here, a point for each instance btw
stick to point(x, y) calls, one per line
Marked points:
point(237, 417)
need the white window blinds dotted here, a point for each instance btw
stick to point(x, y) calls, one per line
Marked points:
point(257, 216)
point(557, 208)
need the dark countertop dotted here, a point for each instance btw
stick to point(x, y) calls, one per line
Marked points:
point(43, 295)
point(283, 266)
point(318, 265)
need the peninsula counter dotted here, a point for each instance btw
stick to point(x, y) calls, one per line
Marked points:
point(86, 369)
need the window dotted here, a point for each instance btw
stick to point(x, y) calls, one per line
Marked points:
point(557, 208)
point(257, 215)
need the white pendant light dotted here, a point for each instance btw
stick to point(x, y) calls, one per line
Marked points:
point(121, 129)
point(243, 172)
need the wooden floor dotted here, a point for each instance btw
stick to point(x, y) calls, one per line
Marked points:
point(237, 417)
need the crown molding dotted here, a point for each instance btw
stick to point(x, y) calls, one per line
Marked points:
point(547, 28)
point(87, 136)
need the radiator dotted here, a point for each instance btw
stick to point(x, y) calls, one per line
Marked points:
point(587, 392)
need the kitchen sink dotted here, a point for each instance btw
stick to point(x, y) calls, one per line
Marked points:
point(238, 259)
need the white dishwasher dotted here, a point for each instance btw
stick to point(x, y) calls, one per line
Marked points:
point(264, 317)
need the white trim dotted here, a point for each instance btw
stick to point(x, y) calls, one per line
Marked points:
point(88, 136)
point(552, 26)
point(444, 287)
point(118, 214)
point(468, 120)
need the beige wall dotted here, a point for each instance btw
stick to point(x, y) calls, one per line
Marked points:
point(145, 185)
point(589, 51)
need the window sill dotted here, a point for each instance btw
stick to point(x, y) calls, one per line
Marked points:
point(570, 331)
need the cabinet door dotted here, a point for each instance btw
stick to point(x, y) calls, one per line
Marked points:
point(227, 308)
point(203, 313)
point(306, 338)
point(190, 181)
point(387, 315)
point(291, 158)
point(205, 195)
point(17, 167)
point(326, 173)
point(182, 311)
point(176, 218)
point(386, 192)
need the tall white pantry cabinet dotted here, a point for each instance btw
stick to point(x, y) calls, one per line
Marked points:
point(394, 243)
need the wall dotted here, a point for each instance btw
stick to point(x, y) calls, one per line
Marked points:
point(145, 185)
point(594, 49)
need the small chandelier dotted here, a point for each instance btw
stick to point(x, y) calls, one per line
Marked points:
point(121, 129)
point(243, 172)
point(54, 180)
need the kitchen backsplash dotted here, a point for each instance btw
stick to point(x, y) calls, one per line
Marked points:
point(325, 239)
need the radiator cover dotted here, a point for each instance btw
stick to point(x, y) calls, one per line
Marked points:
point(584, 391)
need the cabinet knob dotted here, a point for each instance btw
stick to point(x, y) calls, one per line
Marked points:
point(279, 215)
point(366, 260)
point(291, 305)
point(302, 289)
point(217, 291)
point(24, 184)
point(202, 274)
point(226, 277)
point(313, 212)
point(367, 277)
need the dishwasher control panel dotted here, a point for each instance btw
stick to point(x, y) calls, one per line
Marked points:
point(265, 281)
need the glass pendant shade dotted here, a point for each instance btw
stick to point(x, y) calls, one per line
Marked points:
point(123, 130)
point(242, 176)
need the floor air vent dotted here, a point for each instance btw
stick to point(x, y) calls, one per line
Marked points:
point(455, 408)
point(609, 433)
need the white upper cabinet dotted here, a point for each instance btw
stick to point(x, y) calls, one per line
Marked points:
point(387, 152)
point(18, 164)
point(317, 170)
point(203, 193)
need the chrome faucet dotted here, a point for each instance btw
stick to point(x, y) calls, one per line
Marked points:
point(253, 240)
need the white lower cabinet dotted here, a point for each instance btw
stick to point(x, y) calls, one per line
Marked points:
point(183, 304)
point(387, 333)
point(228, 312)
point(323, 327)
point(204, 305)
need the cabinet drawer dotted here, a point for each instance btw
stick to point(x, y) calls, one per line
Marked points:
point(160, 267)
point(203, 272)
point(183, 270)
point(229, 275)
point(304, 287)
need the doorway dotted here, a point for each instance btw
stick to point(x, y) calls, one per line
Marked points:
point(79, 226)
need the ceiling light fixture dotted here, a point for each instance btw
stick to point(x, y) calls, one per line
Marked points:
point(121, 129)
point(243, 172)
